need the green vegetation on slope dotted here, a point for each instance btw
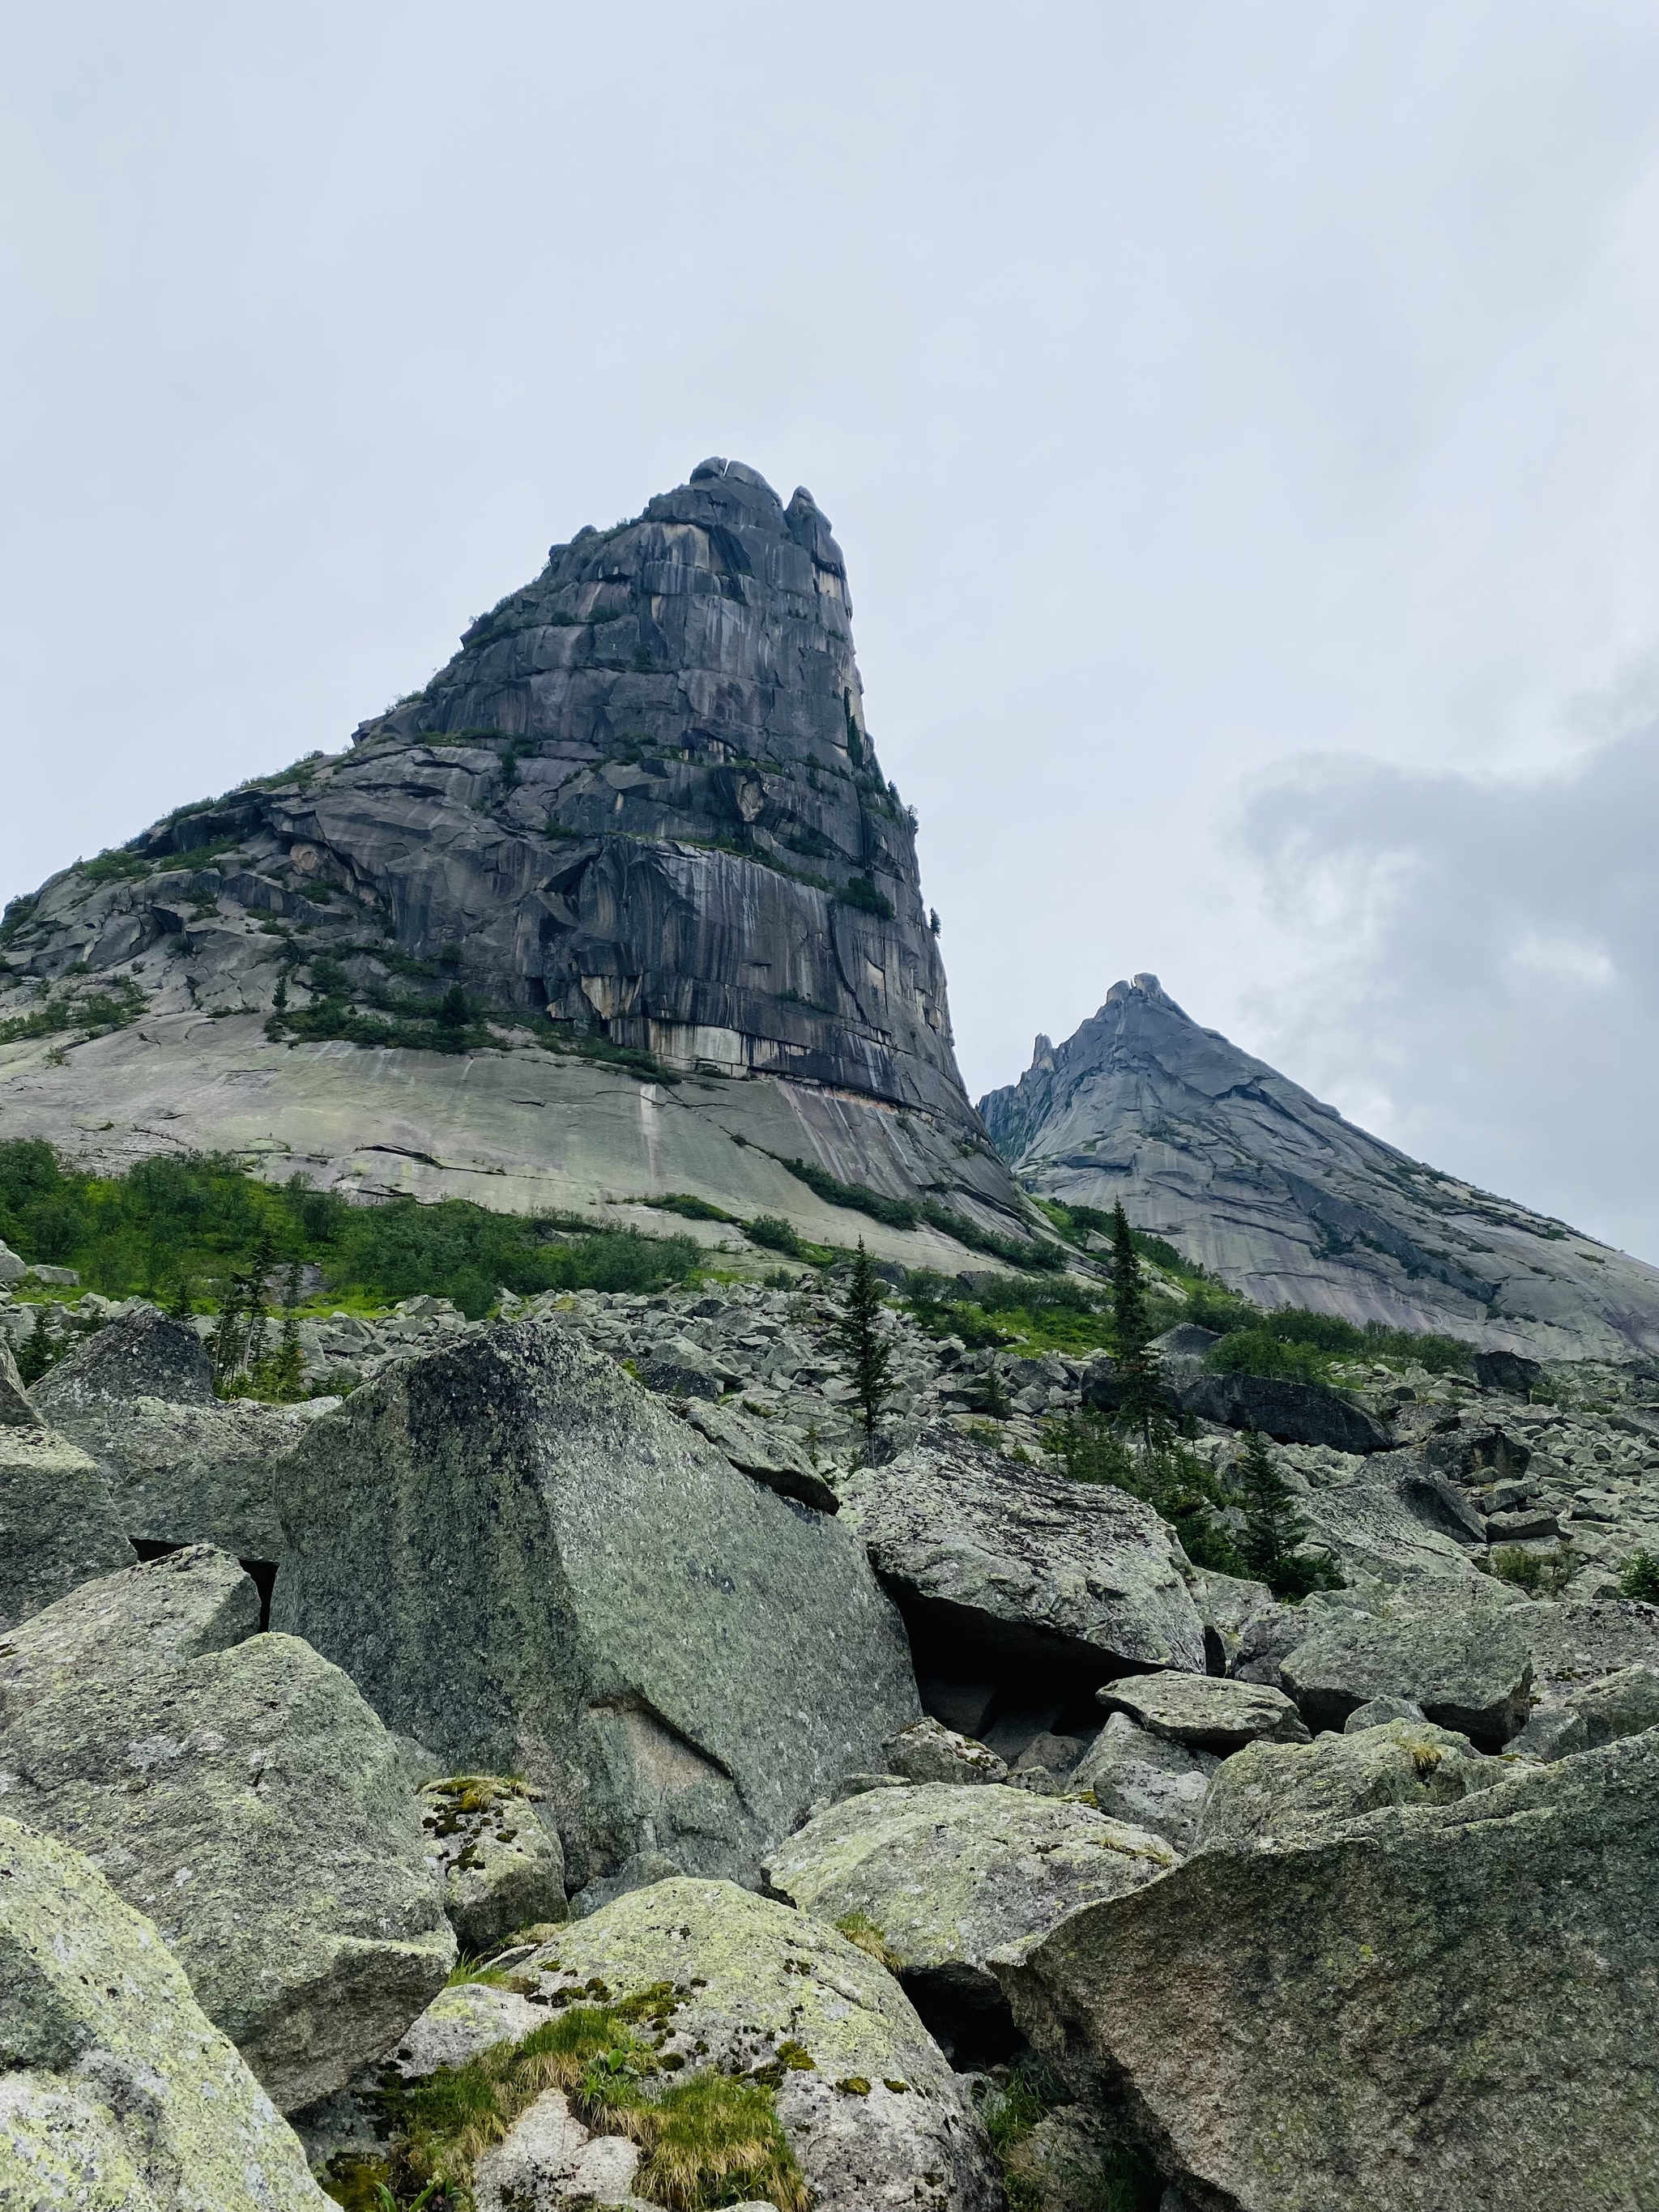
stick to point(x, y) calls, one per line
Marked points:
point(173, 1229)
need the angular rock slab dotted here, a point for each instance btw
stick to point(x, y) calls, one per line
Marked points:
point(17, 1409)
point(1424, 2010)
point(117, 2094)
point(1146, 1780)
point(1388, 1522)
point(1020, 1572)
point(1466, 1664)
point(1205, 1713)
point(237, 1788)
point(949, 1875)
point(754, 1449)
point(1283, 1792)
point(1289, 1413)
point(143, 1354)
point(877, 2119)
point(58, 1526)
point(531, 1566)
point(927, 1751)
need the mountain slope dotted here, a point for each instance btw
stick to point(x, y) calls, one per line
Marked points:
point(636, 830)
point(1276, 1194)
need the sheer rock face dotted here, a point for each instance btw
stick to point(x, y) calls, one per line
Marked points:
point(1246, 1172)
point(642, 801)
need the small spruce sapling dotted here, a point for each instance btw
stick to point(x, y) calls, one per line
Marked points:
point(1142, 1405)
point(867, 1355)
point(1640, 1578)
point(1273, 1530)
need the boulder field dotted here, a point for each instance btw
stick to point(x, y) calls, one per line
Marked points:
point(637, 1757)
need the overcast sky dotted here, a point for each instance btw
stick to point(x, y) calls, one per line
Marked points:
point(1239, 419)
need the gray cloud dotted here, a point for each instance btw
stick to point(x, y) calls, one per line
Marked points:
point(1490, 997)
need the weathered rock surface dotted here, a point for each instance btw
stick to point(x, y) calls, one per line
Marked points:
point(1288, 1793)
point(502, 1866)
point(947, 1876)
point(1023, 1592)
point(643, 804)
point(1204, 1713)
point(1386, 1520)
point(927, 1751)
point(1147, 1780)
point(548, 2159)
point(1599, 1712)
point(1460, 1998)
point(236, 1788)
point(876, 2119)
point(17, 1410)
point(117, 2094)
point(1244, 1171)
point(144, 1354)
point(530, 1565)
point(1466, 1665)
point(58, 1526)
point(755, 1447)
point(1290, 1413)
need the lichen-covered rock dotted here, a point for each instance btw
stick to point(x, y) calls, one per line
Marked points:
point(117, 2094)
point(189, 1472)
point(755, 1447)
point(461, 2024)
point(528, 1564)
point(58, 1526)
point(1464, 1662)
point(143, 1353)
point(948, 1875)
point(1284, 1791)
point(870, 2108)
point(1205, 1713)
point(1457, 2001)
point(17, 1409)
point(927, 1751)
point(548, 2160)
point(1622, 1703)
point(236, 1788)
point(502, 1866)
point(1022, 1591)
point(1146, 1779)
point(1389, 1521)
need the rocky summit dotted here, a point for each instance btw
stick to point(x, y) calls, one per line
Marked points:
point(620, 905)
point(1253, 1178)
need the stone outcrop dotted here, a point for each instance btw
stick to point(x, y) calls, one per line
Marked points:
point(1203, 1713)
point(235, 1788)
point(870, 2108)
point(1150, 1780)
point(639, 813)
point(1022, 1592)
point(116, 2091)
point(143, 1353)
point(501, 1864)
point(1286, 1793)
point(1465, 1663)
point(1459, 1999)
point(1247, 1173)
point(530, 1565)
point(58, 1526)
point(1289, 1413)
point(940, 1876)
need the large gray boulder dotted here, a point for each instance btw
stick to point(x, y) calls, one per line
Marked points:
point(58, 1526)
point(1388, 1522)
point(236, 1788)
point(1623, 1703)
point(1147, 1780)
point(117, 2094)
point(143, 1353)
point(1466, 1665)
point(1022, 1591)
point(755, 1447)
point(502, 1866)
point(1204, 1713)
point(941, 1875)
point(532, 1566)
point(1289, 1413)
point(1422, 2010)
point(1286, 1791)
point(870, 2108)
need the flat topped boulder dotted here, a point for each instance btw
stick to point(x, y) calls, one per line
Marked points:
point(1462, 1659)
point(940, 1876)
point(143, 1354)
point(1422, 2010)
point(927, 1751)
point(58, 1526)
point(235, 1788)
point(1289, 1792)
point(1205, 1712)
point(870, 2108)
point(118, 2094)
point(529, 1565)
point(1010, 1574)
point(1289, 1413)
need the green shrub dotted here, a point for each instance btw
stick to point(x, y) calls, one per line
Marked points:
point(1540, 1574)
point(775, 1233)
point(689, 1207)
point(1640, 1578)
point(860, 891)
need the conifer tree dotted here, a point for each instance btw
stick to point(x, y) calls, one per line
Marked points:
point(1141, 1403)
point(1273, 1530)
point(867, 1355)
